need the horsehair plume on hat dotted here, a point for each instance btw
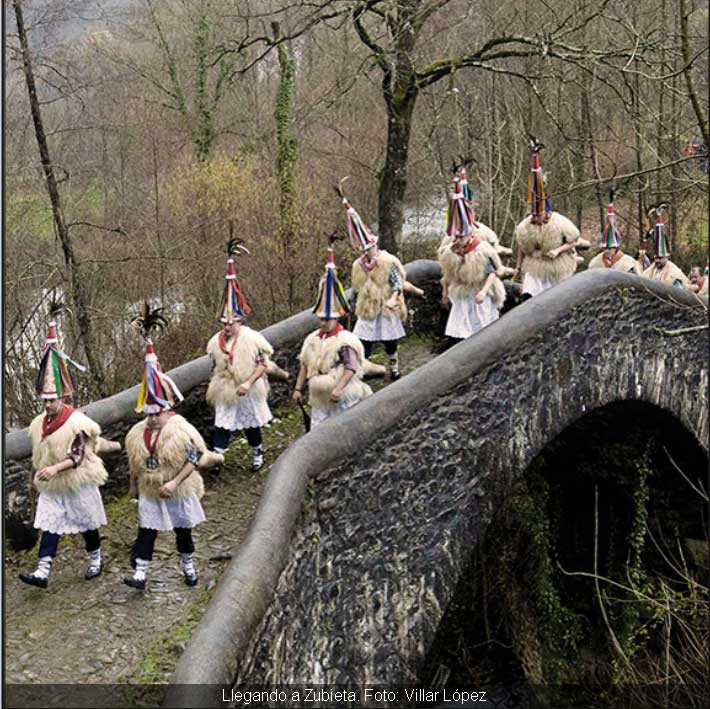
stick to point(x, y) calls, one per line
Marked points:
point(331, 302)
point(233, 304)
point(54, 379)
point(611, 237)
point(158, 392)
point(361, 238)
point(538, 203)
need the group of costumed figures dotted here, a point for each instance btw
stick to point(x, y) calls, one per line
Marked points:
point(166, 453)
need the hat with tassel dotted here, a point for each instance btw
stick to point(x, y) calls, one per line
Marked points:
point(361, 238)
point(158, 391)
point(660, 243)
point(234, 305)
point(331, 303)
point(55, 380)
point(538, 204)
point(611, 238)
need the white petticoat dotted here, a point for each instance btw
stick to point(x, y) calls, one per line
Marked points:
point(468, 317)
point(165, 515)
point(251, 411)
point(380, 329)
point(534, 285)
point(70, 512)
point(320, 415)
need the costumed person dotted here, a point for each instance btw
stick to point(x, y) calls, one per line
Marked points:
point(65, 447)
point(485, 233)
point(663, 269)
point(164, 452)
point(378, 282)
point(238, 387)
point(699, 280)
point(332, 358)
point(471, 270)
point(546, 240)
point(612, 256)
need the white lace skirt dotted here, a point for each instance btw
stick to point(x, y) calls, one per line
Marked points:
point(468, 317)
point(70, 512)
point(380, 329)
point(251, 411)
point(534, 285)
point(165, 515)
point(320, 415)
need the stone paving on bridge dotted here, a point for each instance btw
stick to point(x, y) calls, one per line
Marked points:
point(102, 631)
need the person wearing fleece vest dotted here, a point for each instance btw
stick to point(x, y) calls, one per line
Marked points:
point(612, 256)
point(164, 454)
point(332, 358)
point(238, 387)
point(65, 448)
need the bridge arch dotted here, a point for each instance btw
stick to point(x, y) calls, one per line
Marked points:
point(355, 551)
point(577, 506)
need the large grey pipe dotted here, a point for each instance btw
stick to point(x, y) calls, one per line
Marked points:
point(191, 374)
point(248, 584)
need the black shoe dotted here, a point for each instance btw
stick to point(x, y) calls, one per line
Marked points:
point(134, 582)
point(33, 580)
point(191, 580)
point(395, 374)
point(93, 571)
point(257, 460)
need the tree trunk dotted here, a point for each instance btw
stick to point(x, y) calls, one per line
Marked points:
point(286, 158)
point(393, 179)
point(700, 114)
point(78, 293)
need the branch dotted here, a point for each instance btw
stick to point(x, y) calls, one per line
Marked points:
point(116, 230)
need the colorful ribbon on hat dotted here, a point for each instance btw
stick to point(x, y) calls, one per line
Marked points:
point(360, 236)
point(459, 214)
point(659, 238)
point(611, 238)
point(538, 204)
point(157, 388)
point(233, 301)
point(57, 362)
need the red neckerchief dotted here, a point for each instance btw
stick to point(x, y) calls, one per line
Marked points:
point(323, 335)
point(148, 435)
point(367, 265)
point(462, 251)
point(608, 263)
point(49, 427)
point(222, 340)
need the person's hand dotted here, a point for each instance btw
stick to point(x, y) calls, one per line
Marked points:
point(297, 396)
point(335, 395)
point(243, 389)
point(445, 301)
point(47, 473)
point(168, 489)
point(133, 492)
point(391, 303)
point(480, 297)
point(553, 253)
point(420, 293)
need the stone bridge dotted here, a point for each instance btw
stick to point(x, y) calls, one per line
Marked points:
point(367, 523)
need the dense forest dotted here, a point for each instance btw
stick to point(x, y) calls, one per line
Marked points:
point(141, 134)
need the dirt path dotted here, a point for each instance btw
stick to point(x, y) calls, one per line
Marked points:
point(102, 631)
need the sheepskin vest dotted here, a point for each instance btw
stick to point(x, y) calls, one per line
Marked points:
point(535, 241)
point(373, 288)
point(170, 451)
point(227, 377)
point(56, 447)
point(466, 277)
point(320, 358)
point(625, 264)
point(668, 274)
